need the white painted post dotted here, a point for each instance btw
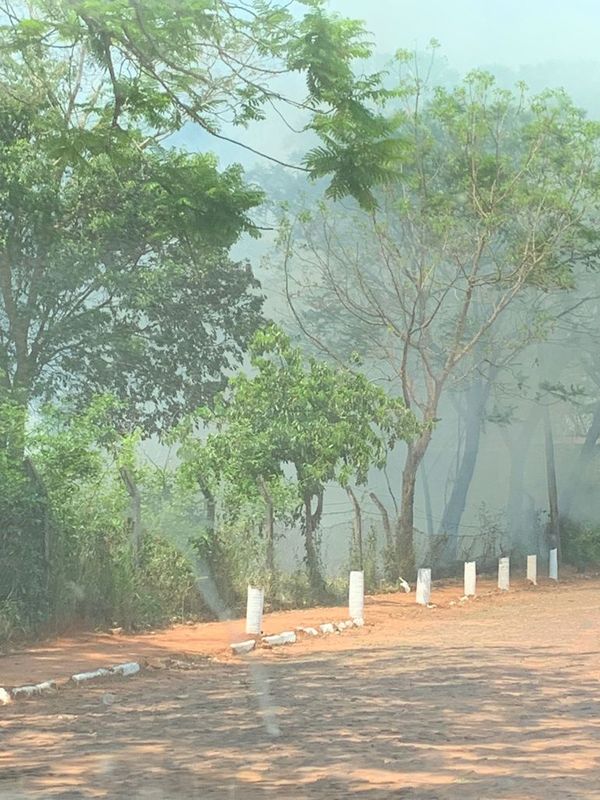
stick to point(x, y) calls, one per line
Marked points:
point(504, 574)
point(356, 595)
point(553, 568)
point(423, 586)
point(470, 578)
point(254, 610)
point(532, 569)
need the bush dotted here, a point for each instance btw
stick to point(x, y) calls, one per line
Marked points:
point(166, 587)
point(580, 543)
point(67, 558)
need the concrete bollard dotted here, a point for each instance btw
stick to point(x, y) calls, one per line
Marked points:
point(532, 569)
point(470, 578)
point(423, 586)
point(254, 610)
point(504, 574)
point(553, 566)
point(356, 595)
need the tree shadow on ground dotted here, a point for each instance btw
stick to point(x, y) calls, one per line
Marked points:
point(422, 723)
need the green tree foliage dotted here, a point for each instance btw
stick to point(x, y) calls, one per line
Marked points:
point(218, 64)
point(67, 552)
point(307, 421)
point(496, 201)
point(114, 273)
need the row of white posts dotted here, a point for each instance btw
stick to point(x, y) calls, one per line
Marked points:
point(356, 592)
point(470, 579)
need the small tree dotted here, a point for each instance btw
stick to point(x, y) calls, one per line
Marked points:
point(319, 422)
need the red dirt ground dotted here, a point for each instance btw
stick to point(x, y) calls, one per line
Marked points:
point(496, 699)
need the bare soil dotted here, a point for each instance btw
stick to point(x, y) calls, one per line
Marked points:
point(493, 699)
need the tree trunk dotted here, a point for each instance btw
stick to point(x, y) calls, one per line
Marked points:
point(211, 509)
point(356, 528)
point(269, 526)
point(554, 526)
point(477, 397)
point(14, 434)
point(582, 463)
point(405, 551)
point(389, 561)
point(427, 496)
point(135, 512)
point(42, 498)
point(385, 518)
point(311, 522)
point(518, 446)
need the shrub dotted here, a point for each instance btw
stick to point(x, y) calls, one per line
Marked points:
point(580, 543)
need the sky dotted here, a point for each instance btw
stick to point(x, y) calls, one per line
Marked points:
point(480, 32)
point(546, 43)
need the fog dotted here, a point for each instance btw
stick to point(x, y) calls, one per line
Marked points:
point(479, 34)
point(546, 45)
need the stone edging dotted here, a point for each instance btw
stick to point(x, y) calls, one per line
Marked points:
point(50, 687)
point(291, 637)
point(133, 667)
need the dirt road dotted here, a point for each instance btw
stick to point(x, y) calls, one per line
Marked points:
point(495, 699)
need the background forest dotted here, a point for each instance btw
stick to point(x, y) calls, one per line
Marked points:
point(275, 302)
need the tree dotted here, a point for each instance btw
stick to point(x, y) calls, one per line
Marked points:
point(495, 201)
point(221, 65)
point(475, 401)
point(114, 273)
point(324, 423)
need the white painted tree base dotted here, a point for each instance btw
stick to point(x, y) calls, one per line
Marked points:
point(470, 582)
point(553, 566)
point(532, 569)
point(356, 595)
point(504, 574)
point(254, 610)
point(423, 587)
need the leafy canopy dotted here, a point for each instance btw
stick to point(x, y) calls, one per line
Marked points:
point(218, 64)
point(327, 423)
point(114, 273)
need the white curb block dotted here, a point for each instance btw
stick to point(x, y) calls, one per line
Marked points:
point(290, 637)
point(287, 637)
point(30, 691)
point(126, 669)
point(327, 627)
point(81, 677)
point(49, 687)
point(241, 648)
point(308, 631)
